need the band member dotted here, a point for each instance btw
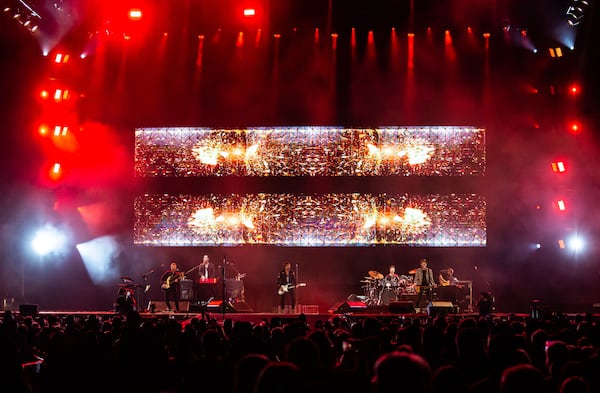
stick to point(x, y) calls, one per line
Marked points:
point(206, 269)
point(170, 284)
point(485, 304)
point(447, 277)
point(126, 301)
point(424, 281)
point(390, 285)
point(207, 287)
point(392, 277)
point(287, 282)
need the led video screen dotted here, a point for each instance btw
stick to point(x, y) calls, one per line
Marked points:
point(333, 219)
point(310, 151)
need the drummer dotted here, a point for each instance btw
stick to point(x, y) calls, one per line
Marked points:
point(392, 279)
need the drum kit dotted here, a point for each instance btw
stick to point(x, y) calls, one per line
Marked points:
point(378, 290)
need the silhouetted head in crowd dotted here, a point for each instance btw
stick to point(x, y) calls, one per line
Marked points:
point(522, 378)
point(411, 369)
point(304, 353)
point(575, 385)
point(246, 372)
point(282, 377)
point(449, 379)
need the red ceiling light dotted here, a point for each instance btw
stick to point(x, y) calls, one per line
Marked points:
point(249, 12)
point(135, 14)
point(562, 206)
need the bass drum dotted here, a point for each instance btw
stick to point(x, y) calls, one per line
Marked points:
point(387, 295)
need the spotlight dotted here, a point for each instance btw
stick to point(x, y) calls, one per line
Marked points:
point(48, 240)
point(249, 12)
point(575, 243)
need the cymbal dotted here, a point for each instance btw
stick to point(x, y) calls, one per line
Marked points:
point(366, 281)
point(125, 278)
point(414, 271)
point(376, 275)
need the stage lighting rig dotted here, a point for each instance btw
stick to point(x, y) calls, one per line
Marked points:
point(23, 13)
point(576, 11)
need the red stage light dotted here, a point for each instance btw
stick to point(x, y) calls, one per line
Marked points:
point(447, 37)
point(561, 205)
point(43, 130)
point(249, 12)
point(55, 172)
point(44, 94)
point(574, 89)
point(61, 130)
point(61, 58)
point(559, 166)
point(135, 14)
point(574, 127)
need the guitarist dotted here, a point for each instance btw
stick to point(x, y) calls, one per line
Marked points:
point(424, 281)
point(287, 280)
point(170, 284)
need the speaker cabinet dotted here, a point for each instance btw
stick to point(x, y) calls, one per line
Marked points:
point(402, 307)
point(440, 308)
point(218, 305)
point(28, 309)
point(186, 290)
point(348, 306)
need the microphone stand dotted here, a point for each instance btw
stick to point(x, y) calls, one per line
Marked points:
point(146, 288)
point(223, 288)
point(296, 303)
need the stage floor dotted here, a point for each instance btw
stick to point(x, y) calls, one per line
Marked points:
point(257, 317)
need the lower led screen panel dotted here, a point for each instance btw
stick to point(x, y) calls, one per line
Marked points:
point(453, 220)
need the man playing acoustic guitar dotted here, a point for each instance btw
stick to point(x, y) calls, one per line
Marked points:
point(170, 284)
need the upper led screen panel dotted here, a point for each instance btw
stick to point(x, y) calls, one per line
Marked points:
point(310, 151)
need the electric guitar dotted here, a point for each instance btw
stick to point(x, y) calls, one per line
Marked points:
point(174, 278)
point(283, 289)
point(424, 288)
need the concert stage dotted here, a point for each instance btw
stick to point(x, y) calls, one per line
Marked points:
point(258, 317)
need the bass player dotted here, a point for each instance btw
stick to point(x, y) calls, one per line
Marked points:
point(169, 282)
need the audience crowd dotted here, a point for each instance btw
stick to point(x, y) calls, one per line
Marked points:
point(450, 354)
